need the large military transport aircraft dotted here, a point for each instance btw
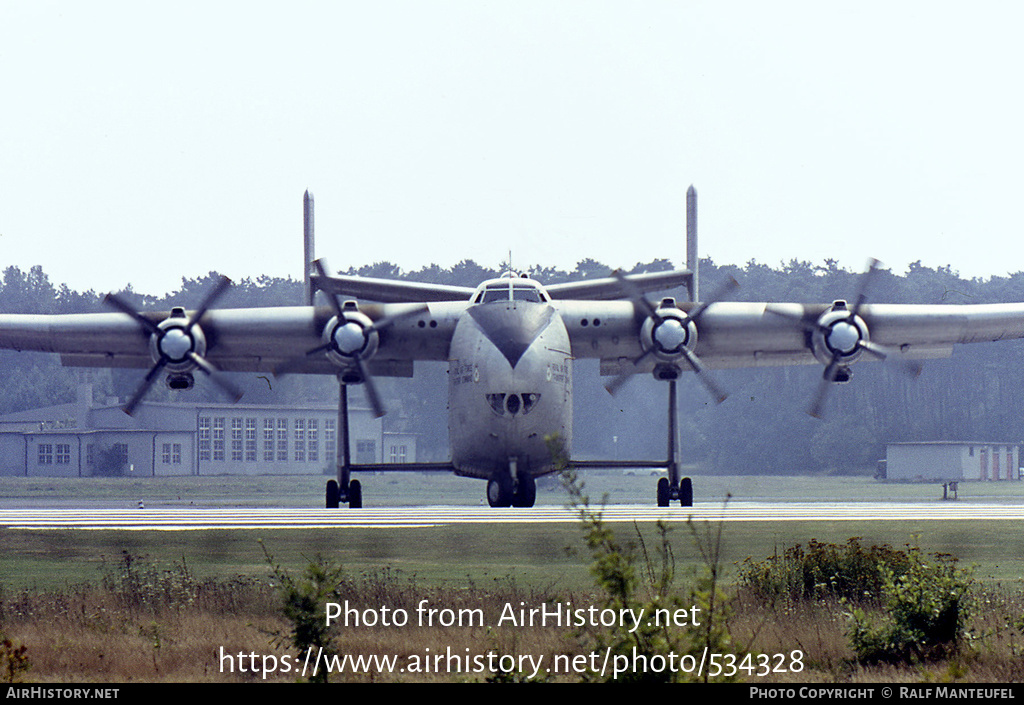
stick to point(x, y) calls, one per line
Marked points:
point(509, 344)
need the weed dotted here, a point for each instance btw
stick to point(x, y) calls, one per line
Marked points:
point(142, 586)
point(630, 579)
point(305, 598)
point(14, 659)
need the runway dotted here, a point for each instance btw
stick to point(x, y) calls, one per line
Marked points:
point(194, 519)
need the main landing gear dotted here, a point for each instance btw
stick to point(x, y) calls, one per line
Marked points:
point(672, 487)
point(343, 490)
point(682, 491)
point(354, 495)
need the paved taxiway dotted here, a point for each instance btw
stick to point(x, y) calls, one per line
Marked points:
point(181, 519)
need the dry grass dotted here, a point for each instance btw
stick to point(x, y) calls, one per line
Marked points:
point(146, 624)
point(820, 629)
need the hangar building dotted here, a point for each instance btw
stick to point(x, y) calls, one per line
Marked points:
point(84, 439)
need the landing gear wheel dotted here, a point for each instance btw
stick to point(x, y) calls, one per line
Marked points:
point(332, 499)
point(355, 495)
point(686, 492)
point(526, 492)
point(499, 491)
point(664, 492)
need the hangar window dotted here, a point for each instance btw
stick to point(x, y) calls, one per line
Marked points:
point(171, 454)
point(366, 451)
point(282, 439)
point(63, 456)
point(204, 437)
point(236, 439)
point(312, 442)
point(120, 453)
point(218, 438)
point(300, 440)
point(250, 440)
point(330, 437)
point(268, 440)
point(46, 454)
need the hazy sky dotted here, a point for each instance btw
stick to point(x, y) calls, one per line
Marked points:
point(143, 142)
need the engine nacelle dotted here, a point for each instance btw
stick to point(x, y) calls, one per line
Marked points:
point(176, 344)
point(839, 335)
point(350, 337)
point(668, 334)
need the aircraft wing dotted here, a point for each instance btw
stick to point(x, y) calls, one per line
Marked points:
point(737, 334)
point(258, 339)
point(611, 287)
point(390, 290)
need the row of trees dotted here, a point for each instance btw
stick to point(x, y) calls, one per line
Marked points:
point(761, 428)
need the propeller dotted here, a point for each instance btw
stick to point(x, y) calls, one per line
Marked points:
point(670, 334)
point(176, 344)
point(350, 340)
point(839, 336)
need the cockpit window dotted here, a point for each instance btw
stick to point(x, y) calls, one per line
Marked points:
point(499, 292)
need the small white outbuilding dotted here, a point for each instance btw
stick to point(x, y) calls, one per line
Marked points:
point(952, 461)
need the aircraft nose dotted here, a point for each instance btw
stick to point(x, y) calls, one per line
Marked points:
point(512, 331)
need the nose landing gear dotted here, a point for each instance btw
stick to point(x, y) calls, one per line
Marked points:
point(512, 489)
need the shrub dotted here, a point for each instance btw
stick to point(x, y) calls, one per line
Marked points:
point(851, 572)
point(926, 613)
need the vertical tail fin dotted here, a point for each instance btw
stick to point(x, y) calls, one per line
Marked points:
point(692, 259)
point(308, 252)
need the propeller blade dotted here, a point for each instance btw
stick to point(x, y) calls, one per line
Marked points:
point(295, 363)
point(153, 329)
point(143, 388)
point(865, 281)
point(633, 292)
point(218, 377)
point(222, 285)
point(388, 321)
point(809, 326)
point(817, 407)
point(720, 293)
point(615, 384)
point(321, 270)
point(705, 377)
point(371, 390)
point(121, 305)
point(887, 354)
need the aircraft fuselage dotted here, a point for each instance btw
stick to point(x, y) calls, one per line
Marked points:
point(510, 383)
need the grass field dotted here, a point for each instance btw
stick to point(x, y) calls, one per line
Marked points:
point(417, 489)
point(43, 571)
point(530, 553)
